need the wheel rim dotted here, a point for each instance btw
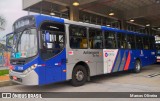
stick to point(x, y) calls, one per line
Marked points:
point(138, 66)
point(79, 76)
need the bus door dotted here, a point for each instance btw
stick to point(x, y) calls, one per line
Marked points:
point(53, 52)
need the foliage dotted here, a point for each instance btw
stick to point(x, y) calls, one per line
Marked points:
point(3, 72)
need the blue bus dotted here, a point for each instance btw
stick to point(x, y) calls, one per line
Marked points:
point(158, 52)
point(51, 49)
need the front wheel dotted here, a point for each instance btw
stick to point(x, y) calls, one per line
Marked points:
point(137, 67)
point(79, 76)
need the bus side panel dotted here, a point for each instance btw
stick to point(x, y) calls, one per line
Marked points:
point(150, 56)
point(132, 59)
point(147, 57)
point(128, 60)
point(53, 69)
point(41, 72)
point(92, 57)
point(109, 59)
point(116, 60)
point(123, 53)
point(124, 60)
point(121, 62)
point(152, 59)
point(135, 54)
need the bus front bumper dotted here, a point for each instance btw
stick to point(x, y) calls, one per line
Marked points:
point(30, 78)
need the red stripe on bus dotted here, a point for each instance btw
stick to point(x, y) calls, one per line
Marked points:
point(128, 61)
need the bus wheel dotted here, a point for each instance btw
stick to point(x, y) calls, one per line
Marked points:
point(79, 76)
point(137, 67)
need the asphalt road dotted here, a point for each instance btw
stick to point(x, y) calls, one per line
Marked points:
point(146, 81)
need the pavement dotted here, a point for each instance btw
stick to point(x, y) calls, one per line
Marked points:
point(146, 81)
point(4, 78)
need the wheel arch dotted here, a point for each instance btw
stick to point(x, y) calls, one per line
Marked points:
point(86, 67)
point(138, 60)
point(137, 69)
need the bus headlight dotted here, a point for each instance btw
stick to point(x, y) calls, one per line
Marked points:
point(30, 69)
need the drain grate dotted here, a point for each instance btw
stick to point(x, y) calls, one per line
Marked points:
point(153, 75)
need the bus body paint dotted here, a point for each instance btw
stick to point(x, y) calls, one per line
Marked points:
point(55, 69)
point(41, 18)
point(128, 61)
point(51, 73)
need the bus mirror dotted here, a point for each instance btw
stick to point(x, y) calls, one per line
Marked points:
point(47, 36)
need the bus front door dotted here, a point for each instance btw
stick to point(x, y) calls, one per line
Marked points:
point(55, 69)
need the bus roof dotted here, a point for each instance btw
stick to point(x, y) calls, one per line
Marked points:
point(42, 18)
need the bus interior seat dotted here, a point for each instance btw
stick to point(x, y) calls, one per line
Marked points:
point(83, 43)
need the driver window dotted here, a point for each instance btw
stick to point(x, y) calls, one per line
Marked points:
point(52, 39)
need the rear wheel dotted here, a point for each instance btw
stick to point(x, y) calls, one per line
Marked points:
point(79, 76)
point(137, 67)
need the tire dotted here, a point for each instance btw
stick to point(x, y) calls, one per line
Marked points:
point(79, 76)
point(137, 68)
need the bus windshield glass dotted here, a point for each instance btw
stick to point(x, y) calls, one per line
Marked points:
point(25, 44)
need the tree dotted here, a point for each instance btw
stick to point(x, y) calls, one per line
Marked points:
point(2, 23)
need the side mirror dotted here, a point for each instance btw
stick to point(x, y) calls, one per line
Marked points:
point(47, 36)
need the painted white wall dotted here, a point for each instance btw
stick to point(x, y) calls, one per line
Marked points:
point(11, 10)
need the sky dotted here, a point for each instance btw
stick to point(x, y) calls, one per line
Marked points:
point(11, 10)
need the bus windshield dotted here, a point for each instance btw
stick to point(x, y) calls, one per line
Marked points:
point(25, 44)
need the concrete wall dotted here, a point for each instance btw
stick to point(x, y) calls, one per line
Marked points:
point(28, 3)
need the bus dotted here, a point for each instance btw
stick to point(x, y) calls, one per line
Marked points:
point(158, 52)
point(49, 49)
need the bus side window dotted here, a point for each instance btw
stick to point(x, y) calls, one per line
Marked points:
point(78, 37)
point(95, 39)
point(110, 42)
point(53, 39)
point(146, 42)
point(152, 42)
point(139, 42)
point(131, 41)
point(122, 40)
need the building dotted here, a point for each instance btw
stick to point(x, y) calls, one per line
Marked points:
point(134, 15)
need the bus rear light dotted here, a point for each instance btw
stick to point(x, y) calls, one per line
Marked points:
point(64, 70)
point(158, 60)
